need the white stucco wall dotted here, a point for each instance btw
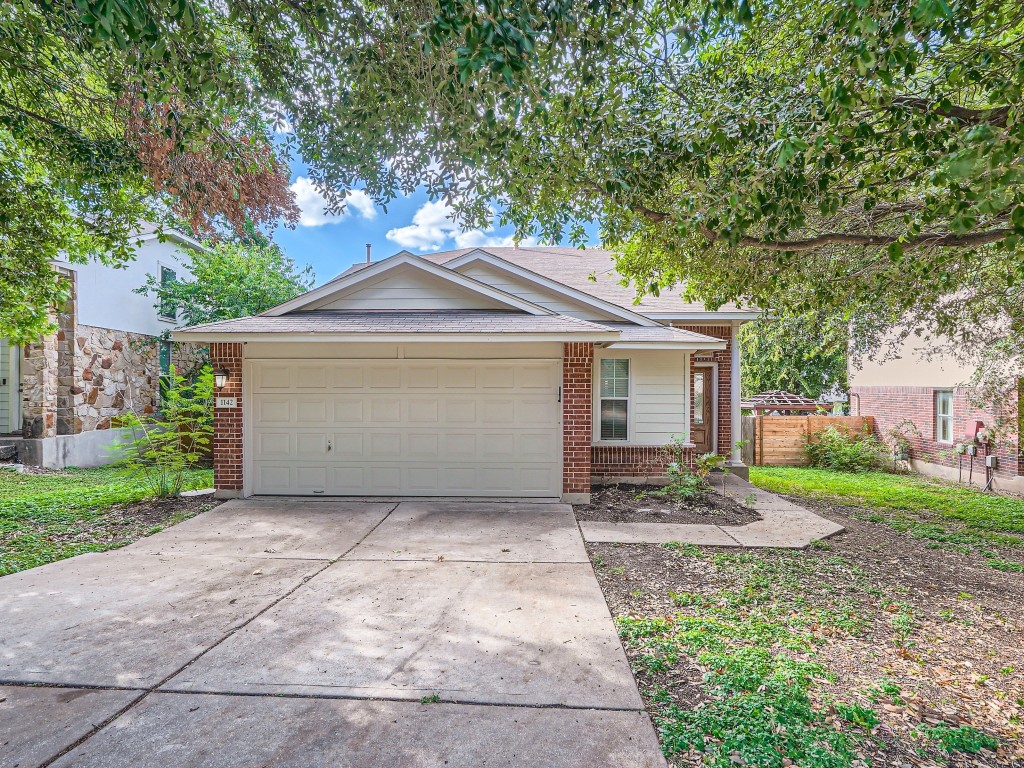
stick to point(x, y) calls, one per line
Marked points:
point(105, 294)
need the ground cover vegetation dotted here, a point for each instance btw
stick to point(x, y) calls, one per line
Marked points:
point(942, 515)
point(870, 648)
point(50, 515)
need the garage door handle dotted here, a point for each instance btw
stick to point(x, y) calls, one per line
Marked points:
point(559, 394)
point(328, 446)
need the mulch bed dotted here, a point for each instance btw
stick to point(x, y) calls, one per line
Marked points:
point(636, 504)
point(962, 664)
point(120, 526)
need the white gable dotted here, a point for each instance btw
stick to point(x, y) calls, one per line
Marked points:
point(405, 282)
point(407, 288)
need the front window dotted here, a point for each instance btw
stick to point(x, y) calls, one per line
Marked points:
point(168, 308)
point(614, 396)
point(944, 416)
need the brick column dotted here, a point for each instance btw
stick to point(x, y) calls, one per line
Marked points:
point(577, 413)
point(227, 423)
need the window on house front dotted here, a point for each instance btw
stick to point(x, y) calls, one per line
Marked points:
point(944, 416)
point(165, 368)
point(614, 397)
point(168, 307)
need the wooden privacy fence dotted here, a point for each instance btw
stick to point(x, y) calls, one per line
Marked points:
point(779, 440)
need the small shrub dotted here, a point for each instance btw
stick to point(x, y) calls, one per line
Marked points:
point(833, 448)
point(861, 716)
point(165, 446)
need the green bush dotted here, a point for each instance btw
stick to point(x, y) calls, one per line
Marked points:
point(165, 447)
point(835, 449)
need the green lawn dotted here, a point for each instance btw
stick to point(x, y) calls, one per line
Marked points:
point(47, 517)
point(960, 516)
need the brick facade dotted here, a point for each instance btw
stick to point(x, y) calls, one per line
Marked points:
point(577, 372)
point(892, 405)
point(227, 422)
point(637, 462)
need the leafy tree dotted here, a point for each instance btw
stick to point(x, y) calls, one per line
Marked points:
point(99, 135)
point(805, 354)
point(231, 279)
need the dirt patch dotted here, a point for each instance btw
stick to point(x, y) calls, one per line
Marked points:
point(939, 627)
point(120, 526)
point(637, 504)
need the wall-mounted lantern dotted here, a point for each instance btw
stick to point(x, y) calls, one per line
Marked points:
point(220, 378)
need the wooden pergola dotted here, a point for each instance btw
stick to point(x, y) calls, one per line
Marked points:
point(783, 403)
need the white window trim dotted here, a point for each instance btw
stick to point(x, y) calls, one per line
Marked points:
point(938, 417)
point(598, 440)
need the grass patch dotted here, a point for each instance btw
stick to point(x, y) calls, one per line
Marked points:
point(964, 738)
point(953, 517)
point(756, 644)
point(50, 516)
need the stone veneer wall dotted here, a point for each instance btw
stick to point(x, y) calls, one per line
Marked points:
point(83, 383)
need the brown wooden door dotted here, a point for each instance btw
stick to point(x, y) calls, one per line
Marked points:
point(702, 428)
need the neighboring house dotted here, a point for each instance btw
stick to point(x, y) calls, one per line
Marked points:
point(474, 372)
point(61, 396)
point(926, 391)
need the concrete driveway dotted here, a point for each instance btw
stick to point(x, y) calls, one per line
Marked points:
point(323, 633)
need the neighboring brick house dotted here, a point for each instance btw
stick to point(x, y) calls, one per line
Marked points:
point(927, 390)
point(60, 396)
point(476, 372)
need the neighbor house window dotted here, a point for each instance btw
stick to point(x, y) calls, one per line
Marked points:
point(944, 416)
point(614, 397)
point(168, 308)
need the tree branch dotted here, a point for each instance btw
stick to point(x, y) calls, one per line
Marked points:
point(926, 240)
point(996, 116)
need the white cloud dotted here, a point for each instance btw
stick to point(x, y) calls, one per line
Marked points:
point(432, 228)
point(313, 206)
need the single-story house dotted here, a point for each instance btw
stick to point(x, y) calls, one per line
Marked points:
point(528, 372)
point(921, 392)
point(61, 394)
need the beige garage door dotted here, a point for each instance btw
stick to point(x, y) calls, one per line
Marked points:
point(405, 427)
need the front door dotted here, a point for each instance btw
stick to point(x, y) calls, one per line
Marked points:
point(10, 417)
point(702, 428)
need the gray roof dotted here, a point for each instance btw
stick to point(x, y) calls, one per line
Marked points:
point(397, 322)
point(575, 266)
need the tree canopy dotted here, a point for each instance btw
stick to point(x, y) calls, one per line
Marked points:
point(854, 155)
point(231, 279)
point(109, 123)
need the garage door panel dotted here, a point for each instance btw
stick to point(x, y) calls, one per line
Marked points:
point(493, 411)
point(439, 428)
point(311, 377)
point(274, 410)
point(311, 410)
point(423, 446)
point(348, 411)
point(348, 377)
point(385, 377)
point(424, 411)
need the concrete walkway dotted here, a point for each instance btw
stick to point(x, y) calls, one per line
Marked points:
point(782, 524)
point(323, 633)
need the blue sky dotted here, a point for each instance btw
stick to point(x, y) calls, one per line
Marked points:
point(333, 243)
